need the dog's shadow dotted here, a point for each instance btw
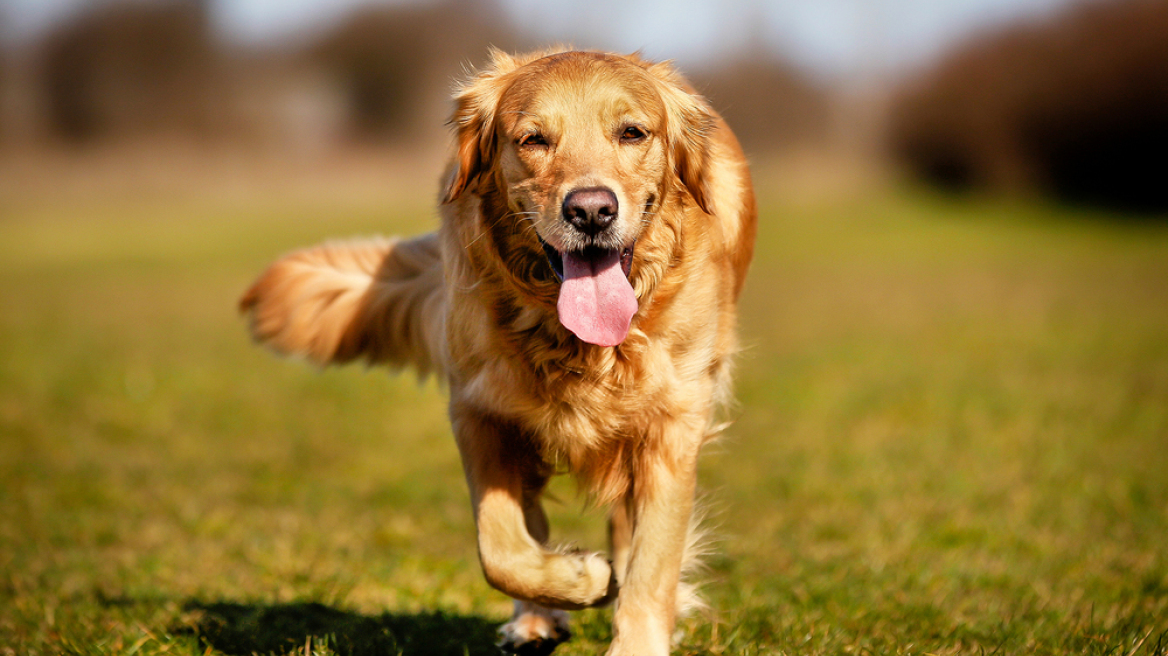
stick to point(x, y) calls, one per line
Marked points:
point(244, 629)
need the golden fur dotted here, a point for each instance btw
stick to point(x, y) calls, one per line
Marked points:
point(476, 303)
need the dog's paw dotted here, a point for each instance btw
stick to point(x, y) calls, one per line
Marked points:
point(534, 630)
point(596, 576)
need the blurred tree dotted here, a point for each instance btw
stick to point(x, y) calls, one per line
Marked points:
point(770, 106)
point(129, 67)
point(396, 65)
point(132, 68)
point(1077, 107)
point(5, 89)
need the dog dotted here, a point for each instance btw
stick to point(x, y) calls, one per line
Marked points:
point(579, 300)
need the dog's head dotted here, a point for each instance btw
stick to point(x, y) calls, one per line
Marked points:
point(582, 151)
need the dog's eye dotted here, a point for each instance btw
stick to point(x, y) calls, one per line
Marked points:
point(633, 134)
point(532, 139)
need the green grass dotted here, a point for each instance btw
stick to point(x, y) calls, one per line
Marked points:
point(952, 438)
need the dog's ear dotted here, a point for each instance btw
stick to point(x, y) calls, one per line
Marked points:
point(689, 122)
point(476, 103)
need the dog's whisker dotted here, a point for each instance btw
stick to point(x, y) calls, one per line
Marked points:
point(496, 222)
point(472, 242)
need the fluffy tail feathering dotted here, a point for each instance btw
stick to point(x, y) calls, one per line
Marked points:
point(379, 300)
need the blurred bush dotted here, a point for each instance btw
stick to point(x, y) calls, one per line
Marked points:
point(1076, 107)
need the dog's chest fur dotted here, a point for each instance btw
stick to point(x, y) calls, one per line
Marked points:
point(584, 406)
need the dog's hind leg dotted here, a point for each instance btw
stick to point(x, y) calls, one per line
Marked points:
point(502, 465)
point(620, 537)
point(534, 630)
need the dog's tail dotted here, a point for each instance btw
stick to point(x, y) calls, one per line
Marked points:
point(378, 300)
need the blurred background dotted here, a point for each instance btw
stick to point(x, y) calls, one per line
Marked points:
point(1053, 97)
point(953, 416)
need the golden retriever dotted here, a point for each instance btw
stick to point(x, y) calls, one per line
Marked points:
point(579, 299)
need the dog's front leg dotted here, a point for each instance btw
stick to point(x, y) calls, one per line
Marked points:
point(534, 630)
point(661, 503)
point(502, 467)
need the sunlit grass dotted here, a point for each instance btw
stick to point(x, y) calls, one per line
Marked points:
point(952, 438)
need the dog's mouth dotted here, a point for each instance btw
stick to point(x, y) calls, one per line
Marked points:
point(590, 253)
point(597, 301)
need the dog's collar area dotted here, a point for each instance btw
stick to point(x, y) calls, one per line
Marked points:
point(594, 253)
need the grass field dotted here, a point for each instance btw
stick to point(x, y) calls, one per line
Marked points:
point(952, 439)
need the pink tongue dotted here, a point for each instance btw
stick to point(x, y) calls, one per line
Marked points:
point(596, 300)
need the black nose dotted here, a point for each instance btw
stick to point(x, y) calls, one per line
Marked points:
point(590, 210)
